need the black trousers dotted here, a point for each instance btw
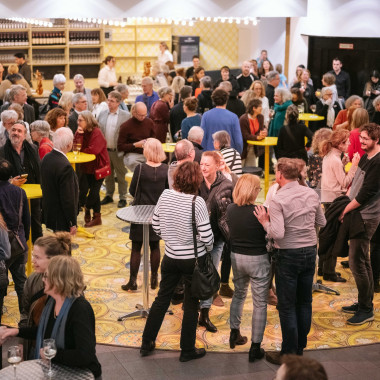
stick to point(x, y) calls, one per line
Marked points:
point(171, 272)
point(35, 219)
point(225, 269)
point(93, 197)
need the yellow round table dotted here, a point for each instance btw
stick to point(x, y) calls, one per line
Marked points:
point(306, 117)
point(80, 158)
point(33, 191)
point(267, 142)
point(168, 147)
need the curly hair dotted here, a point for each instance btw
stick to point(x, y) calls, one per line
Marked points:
point(191, 103)
point(52, 116)
point(337, 137)
point(187, 177)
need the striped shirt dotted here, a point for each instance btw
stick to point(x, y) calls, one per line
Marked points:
point(173, 223)
point(228, 155)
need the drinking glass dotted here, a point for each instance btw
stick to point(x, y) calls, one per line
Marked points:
point(313, 108)
point(14, 357)
point(50, 351)
point(79, 147)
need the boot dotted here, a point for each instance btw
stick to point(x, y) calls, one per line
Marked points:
point(204, 321)
point(131, 285)
point(96, 220)
point(87, 215)
point(236, 338)
point(153, 280)
point(255, 352)
point(226, 291)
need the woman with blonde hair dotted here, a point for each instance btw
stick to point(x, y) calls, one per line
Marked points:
point(344, 117)
point(359, 117)
point(250, 263)
point(148, 182)
point(335, 180)
point(67, 317)
point(92, 140)
point(66, 102)
point(13, 77)
point(257, 91)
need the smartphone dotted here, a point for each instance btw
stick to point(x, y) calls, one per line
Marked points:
point(23, 175)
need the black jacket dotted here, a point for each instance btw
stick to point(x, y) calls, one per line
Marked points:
point(236, 106)
point(73, 121)
point(177, 114)
point(29, 115)
point(321, 110)
point(333, 238)
point(204, 101)
point(60, 192)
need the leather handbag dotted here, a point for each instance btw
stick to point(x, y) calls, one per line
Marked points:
point(104, 171)
point(205, 281)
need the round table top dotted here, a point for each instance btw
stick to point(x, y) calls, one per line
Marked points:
point(268, 141)
point(310, 117)
point(80, 158)
point(32, 190)
point(37, 369)
point(141, 214)
point(168, 147)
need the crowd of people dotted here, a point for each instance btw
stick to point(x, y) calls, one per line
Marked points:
point(327, 186)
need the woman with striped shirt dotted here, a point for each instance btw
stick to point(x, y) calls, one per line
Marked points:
point(172, 221)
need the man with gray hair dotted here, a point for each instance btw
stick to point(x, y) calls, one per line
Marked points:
point(110, 122)
point(149, 96)
point(60, 185)
point(18, 95)
point(124, 92)
point(8, 118)
point(79, 104)
point(273, 79)
point(234, 104)
point(79, 87)
point(195, 136)
point(204, 98)
point(40, 132)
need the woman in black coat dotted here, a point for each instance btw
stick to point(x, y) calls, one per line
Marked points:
point(148, 182)
point(291, 140)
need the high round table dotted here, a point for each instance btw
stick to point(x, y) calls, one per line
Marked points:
point(81, 158)
point(33, 191)
point(306, 117)
point(37, 369)
point(267, 142)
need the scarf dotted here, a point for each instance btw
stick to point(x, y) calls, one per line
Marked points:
point(330, 114)
point(58, 332)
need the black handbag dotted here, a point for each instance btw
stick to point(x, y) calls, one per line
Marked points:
point(205, 281)
point(135, 199)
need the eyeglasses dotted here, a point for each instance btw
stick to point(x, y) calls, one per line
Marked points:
point(364, 138)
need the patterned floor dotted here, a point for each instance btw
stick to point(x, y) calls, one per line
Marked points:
point(104, 258)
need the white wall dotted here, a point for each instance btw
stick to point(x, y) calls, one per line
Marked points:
point(335, 18)
point(269, 34)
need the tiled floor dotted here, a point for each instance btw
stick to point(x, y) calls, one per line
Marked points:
point(118, 363)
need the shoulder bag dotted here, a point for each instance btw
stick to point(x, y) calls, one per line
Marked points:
point(205, 281)
point(104, 171)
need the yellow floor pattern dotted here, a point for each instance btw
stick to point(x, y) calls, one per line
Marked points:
point(103, 260)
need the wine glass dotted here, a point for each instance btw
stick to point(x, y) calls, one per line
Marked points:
point(14, 357)
point(79, 147)
point(313, 108)
point(50, 351)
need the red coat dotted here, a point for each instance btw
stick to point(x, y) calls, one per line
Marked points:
point(46, 146)
point(160, 114)
point(247, 135)
point(93, 143)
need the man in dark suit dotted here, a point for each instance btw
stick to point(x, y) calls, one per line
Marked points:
point(79, 104)
point(60, 185)
point(18, 95)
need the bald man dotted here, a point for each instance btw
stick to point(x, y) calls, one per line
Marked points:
point(133, 134)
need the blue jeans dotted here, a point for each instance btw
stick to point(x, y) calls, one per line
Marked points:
point(294, 279)
point(216, 255)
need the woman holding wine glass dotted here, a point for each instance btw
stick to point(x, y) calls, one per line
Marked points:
point(67, 318)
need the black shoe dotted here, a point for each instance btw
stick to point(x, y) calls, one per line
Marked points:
point(360, 318)
point(236, 338)
point(204, 321)
point(107, 199)
point(344, 264)
point(122, 203)
point(147, 347)
point(196, 354)
point(352, 309)
point(255, 352)
point(132, 285)
point(333, 278)
point(153, 281)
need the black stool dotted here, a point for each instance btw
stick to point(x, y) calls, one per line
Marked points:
point(255, 170)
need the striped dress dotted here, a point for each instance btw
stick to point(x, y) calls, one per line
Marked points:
point(172, 222)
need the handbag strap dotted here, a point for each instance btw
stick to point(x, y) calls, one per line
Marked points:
point(194, 227)
point(138, 181)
